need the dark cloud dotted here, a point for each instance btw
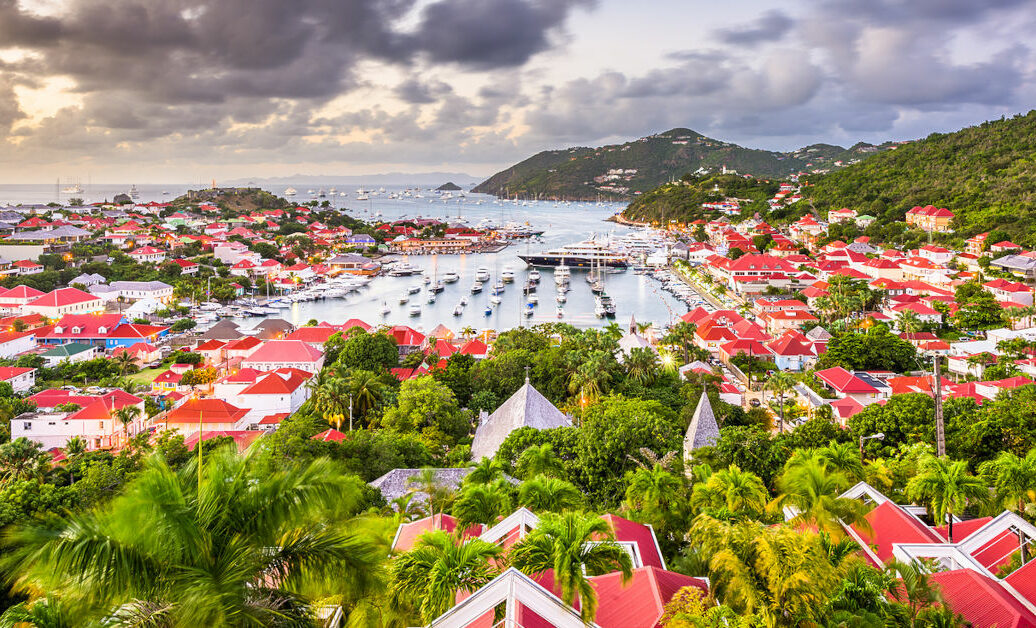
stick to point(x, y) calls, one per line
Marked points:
point(770, 26)
point(417, 92)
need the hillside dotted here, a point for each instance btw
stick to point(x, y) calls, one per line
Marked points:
point(985, 174)
point(682, 201)
point(620, 171)
point(240, 199)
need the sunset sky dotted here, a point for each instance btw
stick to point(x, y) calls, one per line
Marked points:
point(184, 90)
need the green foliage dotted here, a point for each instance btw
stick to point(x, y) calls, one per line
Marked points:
point(682, 201)
point(875, 349)
point(370, 352)
point(984, 174)
point(429, 408)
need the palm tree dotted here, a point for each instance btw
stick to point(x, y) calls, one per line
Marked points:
point(126, 415)
point(481, 503)
point(656, 495)
point(642, 366)
point(780, 384)
point(731, 491)
point(540, 460)
point(74, 449)
point(487, 470)
point(575, 546)
point(367, 390)
point(438, 567)
point(541, 493)
point(915, 588)
point(23, 459)
point(468, 332)
point(814, 493)
point(842, 458)
point(427, 480)
point(46, 612)
point(238, 549)
point(681, 337)
point(612, 329)
point(330, 395)
point(908, 322)
point(946, 487)
point(125, 362)
point(1014, 478)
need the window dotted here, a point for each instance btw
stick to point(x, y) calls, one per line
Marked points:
point(27, 426)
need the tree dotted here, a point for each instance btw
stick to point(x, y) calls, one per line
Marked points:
point(367, 390)
point(370, 352)
point(731, 494)
point(541, 493)
point(125, 362)
point(780, 383)
point(813, 491)
point(642, 366)
point(842, 458)
point(916, 588)
point(23, 459)
point(946, 487)
point(575, 546)
point(74, 450)
point(539, 460)
point(482, 503)
point(263, 535)
point(330, 396)
point(486, 471)
point(429, 408)
point(656, 496)
point(438, 568)
point(1014, 479)
point(126, 415)
point(875, 349)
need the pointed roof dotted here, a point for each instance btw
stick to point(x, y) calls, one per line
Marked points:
point(526, 408)
point(703, 430)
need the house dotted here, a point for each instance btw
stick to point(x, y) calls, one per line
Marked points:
point(527, 407)
point(147, 254)
point(27, 267)
point(930, 218)
point(279, 392)
point(408, 340)
point(279, 354)
point(976, 244)
point(141, 290)
point(14, 299)
point(92, 329)
point(187, 267)
point(793, 351)
point(199, 414)
point(859, 386)
point(72, 352)
point(20, 378)
point(57, 303)
point(129, 334)
point(13, 342)
point(94, 421)
point(1013, 291)
point(1023, 266)
point(781, 321)
point(141, 352)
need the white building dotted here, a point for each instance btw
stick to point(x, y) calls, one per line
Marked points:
point(20, 378)
point(14, 342)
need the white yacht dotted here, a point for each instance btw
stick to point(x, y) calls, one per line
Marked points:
point(482, 274)
point(586, 254)
point(403, 298)
point(290, 192)
point(415, 310)
point(562, 273)
point(451, 277)
point(507, 275)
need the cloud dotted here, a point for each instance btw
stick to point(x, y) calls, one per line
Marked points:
point(417, 92)
point(768, 27)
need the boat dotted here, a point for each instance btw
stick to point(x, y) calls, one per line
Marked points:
point(534, 275)
point(489, 311)
point(507, 275)
point(561, 298)
point(415, 310)
point(498, 286)
point(385, 309)
point(451, 277)
point(559, 311)
point(532, 299)
point(133, 193)
point(431, 298)
point(290, 192)
point(437, 287)
point(413, 289)
point(528, 312)
point(495, 300)
point(583, 254)
point(530, 286)
point(459, 310)
point(464, 300)
point(609, 305)
point(598, 308)
point(562, 273)
point(476, 287)
point(74, 188)
point(403, 298)
point(482, 274)
point(402, 270)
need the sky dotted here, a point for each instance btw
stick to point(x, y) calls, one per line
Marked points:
point(155, 91)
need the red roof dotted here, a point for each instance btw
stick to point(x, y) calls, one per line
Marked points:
point(408, 533)
point(242, 438)
point(640, 602)
point(474, 347)
point(210, 345)
point(639, 533)
point(137, 331)
point(60, 297)
point(313, 335)
point(792, 342)
point(286, 351)
point(330, 434)
point(1023, 580)
point(406, 336)
point(243, 343)
point(982, 600)
point(10, 372)
point(208, 410)
point(891, 524)
point(844, 382)
point(89, 325)
point(282, 382)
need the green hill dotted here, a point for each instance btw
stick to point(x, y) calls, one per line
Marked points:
point(682, 201)
point(984, 174)
point(620, 171)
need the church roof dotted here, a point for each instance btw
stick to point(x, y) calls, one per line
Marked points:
point(703, 430)
point(525, 408)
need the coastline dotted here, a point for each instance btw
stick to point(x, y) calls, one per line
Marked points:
point(622, 220)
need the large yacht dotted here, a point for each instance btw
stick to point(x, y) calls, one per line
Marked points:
point(595, 253)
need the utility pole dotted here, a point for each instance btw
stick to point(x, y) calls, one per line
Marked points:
point(940, 431)
point(350, 413)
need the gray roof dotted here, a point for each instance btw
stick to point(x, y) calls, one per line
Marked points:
point(64, 231)
point(140, 285)
point(1015, 262)
point(88, 279)
point(272, 327)
point(397, 482)
point(525, 408)
point(703, 430)
point(223, 330)
point(818, 333)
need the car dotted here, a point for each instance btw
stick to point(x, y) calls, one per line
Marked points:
point(754, 403)
point(94, 390)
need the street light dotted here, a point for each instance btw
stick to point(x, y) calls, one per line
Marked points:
point(878, 436)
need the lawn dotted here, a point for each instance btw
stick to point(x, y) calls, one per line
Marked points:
point(144, 377)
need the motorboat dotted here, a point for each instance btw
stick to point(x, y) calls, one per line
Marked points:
point(476, 287)
point(498, 286)
point(415, 310)
point(507, 275)
point(561, 298)
point(413, 289)
point(431, 298)
point(495, 300)
point(464, 300)
point(559, 312)
point(451, 277)
point(528, 312)
point(385, 309)
point(532, 299)
point(489, 311)
point(438, 287)
point(459, 310)
point(482, 274)
point(562, 273)
point(403, 298)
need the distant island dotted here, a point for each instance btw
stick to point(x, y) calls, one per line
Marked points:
point(624, 171)
point(449, 186)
